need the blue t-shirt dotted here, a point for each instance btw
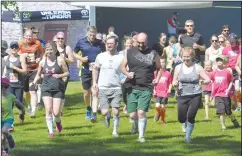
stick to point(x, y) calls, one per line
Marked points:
point(89, 49)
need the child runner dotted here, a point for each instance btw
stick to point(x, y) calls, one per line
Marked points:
point(207, 88)
point(222, 84)
point(162, 91)
point(7, 115)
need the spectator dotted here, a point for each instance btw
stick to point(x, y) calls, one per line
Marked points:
point(171, 24)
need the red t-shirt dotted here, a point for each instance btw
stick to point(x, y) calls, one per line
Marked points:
point(163, 86)
point(209, 86)
point(232, 54)
point(221, 80)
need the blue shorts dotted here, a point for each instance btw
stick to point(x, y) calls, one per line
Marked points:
point(8, 122)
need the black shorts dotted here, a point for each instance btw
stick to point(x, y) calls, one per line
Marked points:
point(161, 100)
point(223, 105)
point(86, 81)
point(28, 78)
point(207, 93)
point(53, 94)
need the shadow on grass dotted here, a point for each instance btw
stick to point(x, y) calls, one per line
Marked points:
point(78, 127)
point(120, 147)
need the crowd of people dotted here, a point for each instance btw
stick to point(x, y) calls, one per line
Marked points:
point(33, 69)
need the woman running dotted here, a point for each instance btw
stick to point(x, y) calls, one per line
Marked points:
point(54, 69)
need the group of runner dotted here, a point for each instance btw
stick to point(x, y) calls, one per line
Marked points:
point(135, 74)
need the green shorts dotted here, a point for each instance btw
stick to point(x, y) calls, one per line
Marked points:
point(139, 100)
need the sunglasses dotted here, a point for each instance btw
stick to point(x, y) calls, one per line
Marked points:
point(60, 38)
point(226, 30)
point(189, 25)
point(214, 40)
point(221, 41)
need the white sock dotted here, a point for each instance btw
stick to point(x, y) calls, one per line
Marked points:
point(142, 126)
point(49, 122)
point(115, 124)
point(39, 93)
point(53, 117)
point(33, 110)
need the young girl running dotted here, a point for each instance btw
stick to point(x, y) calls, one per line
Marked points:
point(7, 115)
point(207, 88)
point(162, 91)
point(222, 84)
point(54, 69)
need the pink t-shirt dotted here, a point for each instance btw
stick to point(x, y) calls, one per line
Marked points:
point(163, 86)
point(232, 54)
point(209, 86)
point(221, 80)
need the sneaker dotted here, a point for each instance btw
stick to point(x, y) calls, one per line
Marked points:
point(162, 122)
point(157, 117)
point(4, 153)
point(115, 135)
point(50, 135)
point(184, 127)
point(236, 123)
point(107, 121)
point(94, 119)
point(11, 129)
point(21, 118)
point(32, 115)
point(58, 127)
point(141, 140)
point(223, 128)
point(88, 114)
point(188, 141)
point(11, 142)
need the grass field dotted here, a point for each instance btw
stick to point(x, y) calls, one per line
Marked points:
point(83, 138)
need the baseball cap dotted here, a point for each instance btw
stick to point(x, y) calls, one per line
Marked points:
point(14, 45)
point(232, 38)
point(176, 13)
point(224, 58)
point(4, 44)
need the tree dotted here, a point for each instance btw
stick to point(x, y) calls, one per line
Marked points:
point(10, 5)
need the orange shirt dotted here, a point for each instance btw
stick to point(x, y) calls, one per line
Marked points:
point(34, 51)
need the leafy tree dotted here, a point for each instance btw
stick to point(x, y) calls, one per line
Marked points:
point(10, 5)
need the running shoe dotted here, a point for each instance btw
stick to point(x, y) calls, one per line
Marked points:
point(115, 135)
point(107, 121)
point(58, 127)
point(93, 118)
point(50, 135)
point(4, 153)
point(21, 118)
point(88, 114)
point(141, 140)
point(188, 141)
point(11, 142)
point(236, 123)
point(11, 129)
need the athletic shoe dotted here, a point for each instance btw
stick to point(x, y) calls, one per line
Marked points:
point(184, 127)
point(162, 122)
point(11, 129)
point(236, 123)
point(88, 114)
point(141, 140)
point(32, 115)
point(4, 153)
point(93, 118)
point(157, 117)
point(21, 118)
point(11, 142)
point(107, 121)
point(50, 135)
point(115, 135)
point(223, 128)
point(188, 141)
point(58, 127)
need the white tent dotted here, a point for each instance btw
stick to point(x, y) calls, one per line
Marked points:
point(142, 5)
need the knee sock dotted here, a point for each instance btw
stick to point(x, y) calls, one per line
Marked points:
point(158, 110)
point(189, 130)
point(115, 124)
point(222, 120)
point(49, 122)
point(163, 114)
point(142, 127)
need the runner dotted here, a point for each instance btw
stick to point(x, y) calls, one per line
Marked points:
point(7, 114)
point(90, 48)
point(109, 84)
point(222, 84)
point(186, 77)
point(159, 46)
point(65, 52)
point(54, 68)
point(162, 92)
point(225, 33)
point(33, 51)
point(14, 70)
point(238, 90)
point(168, 53)
point(142, 63)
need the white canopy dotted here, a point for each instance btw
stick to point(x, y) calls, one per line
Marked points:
point(147, 5)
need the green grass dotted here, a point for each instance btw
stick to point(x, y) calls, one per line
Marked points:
point(83, 138)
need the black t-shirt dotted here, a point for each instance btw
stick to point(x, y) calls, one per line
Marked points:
point(142, 63)
point(158, 48)
point(189, 40)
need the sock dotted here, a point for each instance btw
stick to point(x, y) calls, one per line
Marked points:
point(142, 127)
point(57, 119)
point(158, 110)
point(53, 117)
point(189, 130)
point(222, 120)
point(115, 124)
point(163, 114)
point(39, 93)
point(49, 122)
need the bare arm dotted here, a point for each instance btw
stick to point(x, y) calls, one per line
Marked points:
point(202, 47)
point(38, 75)
point(206, 80)
point(238, 65)
point(64, 69)
point(124, 66)
point(70, 59)
point(158, 68)
point(95, 74)
point(175, 77)
point(206, 55)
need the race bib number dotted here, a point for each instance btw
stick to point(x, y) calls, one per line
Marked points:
point(91, 65)
point(30, 58)
point(13, 77)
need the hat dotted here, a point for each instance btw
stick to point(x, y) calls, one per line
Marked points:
point(14, 45)
point(5, 81)
point(4, 44)
point(176, 13)
point(224, 58)
point(232, 38)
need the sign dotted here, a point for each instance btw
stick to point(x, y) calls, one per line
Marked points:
point(38, 16)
